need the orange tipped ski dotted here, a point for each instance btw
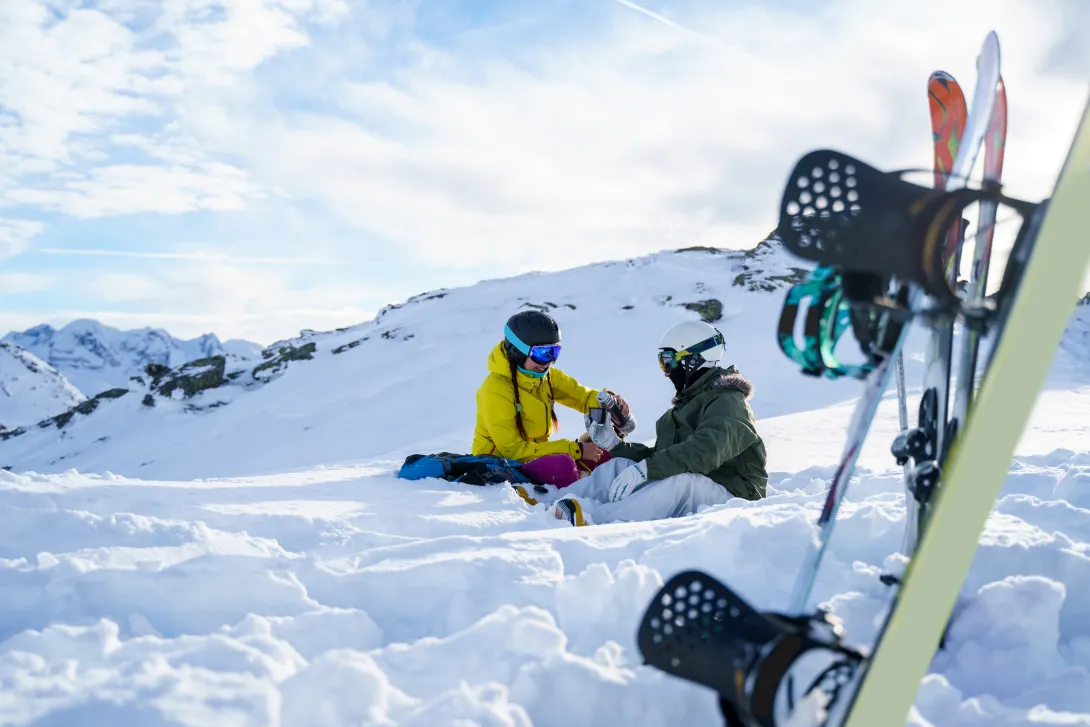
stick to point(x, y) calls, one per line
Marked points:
point(948, 117)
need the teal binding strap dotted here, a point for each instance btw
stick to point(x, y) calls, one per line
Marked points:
point(828, 316)
point(808, 289)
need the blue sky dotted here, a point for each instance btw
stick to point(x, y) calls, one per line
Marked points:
point(254, 167)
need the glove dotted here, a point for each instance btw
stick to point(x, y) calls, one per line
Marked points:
point(600, 429)
point(628, 481)
point(623, 420)
point(620, 413)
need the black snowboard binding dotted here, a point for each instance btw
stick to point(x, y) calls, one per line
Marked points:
point(760, 664)
point(839, 211)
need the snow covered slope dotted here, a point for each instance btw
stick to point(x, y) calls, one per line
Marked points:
point(31, 389)
point(406, 381)
point(96, 357)
point(302, 584)
point(342, 596)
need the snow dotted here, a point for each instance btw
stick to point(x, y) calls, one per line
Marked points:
point(242, 349)
point(258, 563)
point(96, 357)
point(344, 595)
point(31, 389)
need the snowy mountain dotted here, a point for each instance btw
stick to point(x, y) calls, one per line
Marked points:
point(31, 389)
point(96, 357)
point(340, 396)
point(224, 542)
point(431, 349)
point(237, 347)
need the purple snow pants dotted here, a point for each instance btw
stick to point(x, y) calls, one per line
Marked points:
point(558, 469)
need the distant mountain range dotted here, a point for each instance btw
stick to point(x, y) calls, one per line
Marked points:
point(95, 357)
point(31, 388)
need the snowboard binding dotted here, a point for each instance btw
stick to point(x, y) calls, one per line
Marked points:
point(760, 664)
point(876, 237)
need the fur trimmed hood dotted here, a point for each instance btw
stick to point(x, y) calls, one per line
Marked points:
point(728, 378)
point(734, 381)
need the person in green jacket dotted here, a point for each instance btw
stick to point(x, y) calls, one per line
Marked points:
point(707, 449)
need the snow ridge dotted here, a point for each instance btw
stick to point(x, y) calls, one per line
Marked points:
point(31, 389)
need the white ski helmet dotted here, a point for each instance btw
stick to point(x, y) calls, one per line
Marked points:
point(702, 343)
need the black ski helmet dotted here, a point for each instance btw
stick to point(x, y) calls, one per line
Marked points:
point(532, 328)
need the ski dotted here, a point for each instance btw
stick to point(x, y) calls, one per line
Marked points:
point(936, 428)
point(1043, 275)
point(772, 668)
point(946, 102)
point(994, 147)
point(806, 186)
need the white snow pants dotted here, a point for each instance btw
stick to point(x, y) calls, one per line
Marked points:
point(674, 496)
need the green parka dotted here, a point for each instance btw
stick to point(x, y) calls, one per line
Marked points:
point(710, 430)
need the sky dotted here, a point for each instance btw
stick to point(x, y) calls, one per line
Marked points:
point(255, 167)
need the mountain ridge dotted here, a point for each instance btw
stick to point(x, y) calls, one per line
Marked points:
point(95, 357)
point(31, 388)
point(303, 402)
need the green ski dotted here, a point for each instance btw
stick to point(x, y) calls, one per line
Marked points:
point(980, 457)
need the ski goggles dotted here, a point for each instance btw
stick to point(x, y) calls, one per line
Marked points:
point(669, 359)
point(541, 354)
point(545, 354)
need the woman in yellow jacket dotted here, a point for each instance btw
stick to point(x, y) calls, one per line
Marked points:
point(516, 404)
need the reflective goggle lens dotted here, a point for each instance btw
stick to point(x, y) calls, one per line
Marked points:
point(545, 354)
point(668, 359)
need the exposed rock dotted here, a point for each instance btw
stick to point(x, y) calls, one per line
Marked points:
point(155, 372)
point(710, 310)
point(756, 280)
point(271, 369)
point(193, 377)
point(350, 344)
point(6, 434)
point(85, 408)
point(702, 248)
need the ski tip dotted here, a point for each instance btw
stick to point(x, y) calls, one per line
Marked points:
point(989, 49)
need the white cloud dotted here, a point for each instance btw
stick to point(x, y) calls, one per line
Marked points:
point(512, 149)
point(235, 302)
point(219, 39)
point(647, 138)
point(71, 77)
point(66, 76)
point(17, 283)
point(15, 235)
point(199, 256)
point(129, 188)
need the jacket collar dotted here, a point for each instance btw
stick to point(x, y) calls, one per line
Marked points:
point(498, 363)
point(716, 378)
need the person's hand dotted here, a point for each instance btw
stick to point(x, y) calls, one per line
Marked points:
point(628, 481)
point(626, 411)
point(622, 418)
point(590, 451)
